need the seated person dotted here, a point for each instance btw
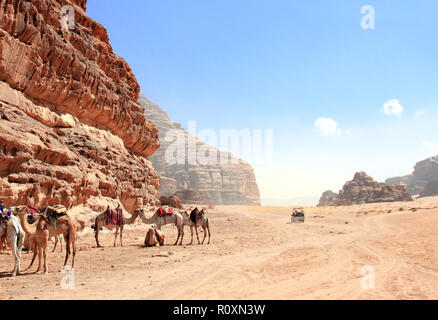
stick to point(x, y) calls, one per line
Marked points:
point(5, 214)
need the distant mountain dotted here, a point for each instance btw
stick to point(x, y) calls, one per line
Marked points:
point(228, 184)
point(425, 173)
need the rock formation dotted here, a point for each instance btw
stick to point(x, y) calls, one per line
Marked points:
point(71, 130)
point(425, 171)
point(173, 201)
point(225, 184)
point(431, 189)
point(328, 199)
point(363, 189)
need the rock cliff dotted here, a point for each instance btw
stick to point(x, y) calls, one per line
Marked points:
point(225, 184)
point(71, 130)
point(425, 171)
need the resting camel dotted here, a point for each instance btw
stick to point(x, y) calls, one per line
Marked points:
point(154, 237)
point(201, 221)
point(42, 230)
point(15, 235)
point(175, 219)
point(101, 222)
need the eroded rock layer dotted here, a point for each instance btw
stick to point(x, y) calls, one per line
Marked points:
point(70, 125)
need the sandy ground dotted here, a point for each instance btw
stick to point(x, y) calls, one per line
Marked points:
point(257, 254)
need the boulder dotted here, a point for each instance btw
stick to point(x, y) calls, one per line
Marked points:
point(173, 201)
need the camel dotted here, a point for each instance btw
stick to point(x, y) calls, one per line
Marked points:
point(15, 235)
point(175, 219)
point(3, 246)
point(101, 222)
point(154, 237)
point(42, 230)
point(201, 221)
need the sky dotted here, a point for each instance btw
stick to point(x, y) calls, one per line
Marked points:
point(339, 98)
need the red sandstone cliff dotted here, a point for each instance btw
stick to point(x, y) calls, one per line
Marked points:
point(71, 130)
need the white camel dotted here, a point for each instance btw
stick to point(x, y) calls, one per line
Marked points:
point(15, 238)
point(175, 219)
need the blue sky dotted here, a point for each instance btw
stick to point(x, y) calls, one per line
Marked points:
point(283, 64)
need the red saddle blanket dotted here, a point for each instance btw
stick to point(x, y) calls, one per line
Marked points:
point(161, 212)
point(114, 217)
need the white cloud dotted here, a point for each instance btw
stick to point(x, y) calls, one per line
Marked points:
point(393, 108)
point(327, 127)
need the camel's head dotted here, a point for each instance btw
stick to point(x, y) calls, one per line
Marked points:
point(20, 210)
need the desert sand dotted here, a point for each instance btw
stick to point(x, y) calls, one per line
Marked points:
point(256, 253)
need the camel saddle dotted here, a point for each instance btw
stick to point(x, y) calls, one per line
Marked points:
point(195, 215)
point(162, 212)
point(54, 213)
point(114, 217)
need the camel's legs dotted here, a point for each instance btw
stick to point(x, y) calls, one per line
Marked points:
point(40, 256)
point(115, 237)
point(14, 249)
point(182, 235)
point(44, 248)
point(209, 233)
point(56, 243)
point(191, 231)
point(197, 234)
point(121, 236)
point(67, 247)
point(22, 236)
point(57, 239)
point(34, 248)
point(73, 243)
point(179, 235)
point(96, 232)
point(205, 234)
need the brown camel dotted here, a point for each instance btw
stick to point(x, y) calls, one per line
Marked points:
point(42, 230)
point(101, 221)
point(154, 237)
